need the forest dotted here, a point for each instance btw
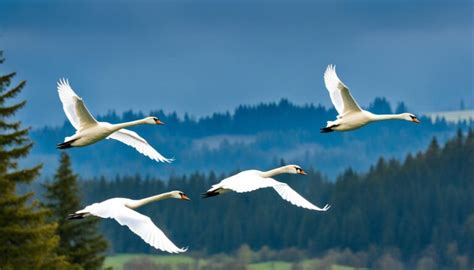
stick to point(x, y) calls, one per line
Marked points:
point(251, 136)
point(415, 208)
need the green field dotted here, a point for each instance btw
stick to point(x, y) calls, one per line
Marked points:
point(116, 262)
point(278, 265)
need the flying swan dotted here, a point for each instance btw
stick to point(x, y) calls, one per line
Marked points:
point(251, 180)
point(351, 116)
point(121, 209)
point(89, 131)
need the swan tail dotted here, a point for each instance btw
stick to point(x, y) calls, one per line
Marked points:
point(66, 144)
point(76, 216)
point(210, 194)
point(326, 129)
point(329, 127)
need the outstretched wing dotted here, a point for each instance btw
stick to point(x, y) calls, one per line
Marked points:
point(288, 194)
point(134, 140)
point(140, 224)
point(251, 180)
point(340, 95)
point(245, 182)
point(75, 109)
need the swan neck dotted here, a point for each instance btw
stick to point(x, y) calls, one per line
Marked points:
point(141, 202)
point(380, 117)
point(129, 124)
point(274, 172)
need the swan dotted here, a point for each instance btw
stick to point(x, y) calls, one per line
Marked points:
point(121, 209)
point(251, 180)
point(351, 116)
point(89, 131)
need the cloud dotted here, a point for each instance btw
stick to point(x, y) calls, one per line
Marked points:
point(211, 56)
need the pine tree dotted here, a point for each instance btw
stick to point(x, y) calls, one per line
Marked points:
point(401, 108)
point(27, 241)
point(79, 240)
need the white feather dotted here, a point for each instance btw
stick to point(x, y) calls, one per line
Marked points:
point(251, 180)
point(288, 194)
point(74, 108)
point(139, 224)
point(134, 140)
point(89, 131)
point(339, 93)
point(351, 116)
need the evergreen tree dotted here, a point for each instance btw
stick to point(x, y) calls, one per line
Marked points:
point(79, 240)
point(27, 241)
point(401, 108)
point(380, 105)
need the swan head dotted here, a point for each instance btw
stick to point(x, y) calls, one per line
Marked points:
point(152, 120)
point(179, 195)
point(410, 117)
point(295, 169)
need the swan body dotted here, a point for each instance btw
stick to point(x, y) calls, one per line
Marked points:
point(89, 130)
point(91, 135)
point(122, 210)
point(351, 116)
point(251, 180)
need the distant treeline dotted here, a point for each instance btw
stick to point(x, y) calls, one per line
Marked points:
point(421, 207)
point(250, 137)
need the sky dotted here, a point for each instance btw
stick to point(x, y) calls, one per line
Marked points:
point(202, 57)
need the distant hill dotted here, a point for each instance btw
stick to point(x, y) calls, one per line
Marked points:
point(453, 116)
point(250, 137)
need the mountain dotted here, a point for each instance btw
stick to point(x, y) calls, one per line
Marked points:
point(251, 137)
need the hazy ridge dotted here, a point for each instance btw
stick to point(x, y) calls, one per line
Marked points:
point(250, 137)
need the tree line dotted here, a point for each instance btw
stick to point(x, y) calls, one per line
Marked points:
point(255, 135)
point(421, 205)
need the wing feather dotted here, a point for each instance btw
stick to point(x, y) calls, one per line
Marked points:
point(339, 93)
point(248, 181)
point(288, 194)
point(74, 107)
point(139, 224)
point(134, 140)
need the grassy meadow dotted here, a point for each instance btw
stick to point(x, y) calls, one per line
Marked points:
point(176, 262)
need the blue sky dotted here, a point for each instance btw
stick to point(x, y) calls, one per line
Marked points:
point(202, 57)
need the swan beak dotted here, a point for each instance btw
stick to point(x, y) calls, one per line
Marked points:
point(302, 172)
point(416, 120)
point(184, 197)
point(158, 122)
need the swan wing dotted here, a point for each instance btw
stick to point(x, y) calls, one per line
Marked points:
point(251, 180)
point(139, 224)
point(246, 182)
point(134, 140)
point(290, 195)
point(74, 107)
point(340, 95)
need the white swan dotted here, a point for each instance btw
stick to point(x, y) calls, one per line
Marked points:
point(89, 131)
point(121, 209)
point(351, 116)
point(251, 180)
